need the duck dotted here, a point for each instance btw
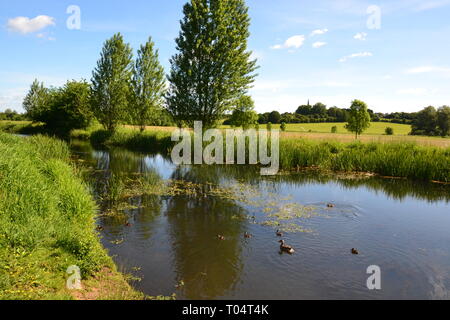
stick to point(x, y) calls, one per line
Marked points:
point(355, 251)
point(330, 205)
point(99, 228)
point(247, 235)
point(220, 237)
point(285, 248)
point(127, 224)
point(279, 233)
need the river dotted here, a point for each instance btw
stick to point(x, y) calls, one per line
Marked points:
point(171, 243)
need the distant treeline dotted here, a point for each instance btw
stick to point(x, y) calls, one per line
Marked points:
point(319, 112)
point(430, 121)
point(12, 115)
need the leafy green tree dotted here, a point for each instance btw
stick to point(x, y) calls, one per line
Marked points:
point(443, 120)
point(111, 82)
point(244, 115)
point(304, 110)
point(69, 107)
point(283, 126)
point(389, 131)
point(36, 101)
point(148, 86)
point(359, 118)
point(274, 117)
point(319, 109)
point(212, 69)
point(426, 122)
point(334, 129)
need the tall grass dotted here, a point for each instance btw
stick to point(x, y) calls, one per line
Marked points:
point(396, 159)
point(46, 220)
point(387, 159)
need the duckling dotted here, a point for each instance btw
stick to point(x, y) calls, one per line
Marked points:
point(355, 251)
point(285, 248)
point(279, 233)
point(247, 235)
point(220, 237)
point(330, 205)
point(99, 228)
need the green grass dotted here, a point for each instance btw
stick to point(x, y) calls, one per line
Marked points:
point(46, 220)
point(388, 159)
point(395, 159)
point(377, 128)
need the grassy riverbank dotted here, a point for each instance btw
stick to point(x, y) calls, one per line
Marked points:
point(47, 224)
point(394, 159)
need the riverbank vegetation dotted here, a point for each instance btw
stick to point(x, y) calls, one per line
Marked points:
point(394, 159)
point(47, 224)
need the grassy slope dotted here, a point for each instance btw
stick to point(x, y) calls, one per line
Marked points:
point(47, 224)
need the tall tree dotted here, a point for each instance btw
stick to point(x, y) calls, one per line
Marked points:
point(359, 118)
point(212, 69)
point(36, 101)
point(148, 85)
point(111, 82)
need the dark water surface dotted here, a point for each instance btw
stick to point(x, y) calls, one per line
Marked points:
point(172, 246)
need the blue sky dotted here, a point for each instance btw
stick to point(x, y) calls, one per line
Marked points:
point(321, 50)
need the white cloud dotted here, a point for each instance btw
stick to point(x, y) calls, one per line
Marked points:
point(360, 36)
point(293, 42)
point(318, 44)
point(413, 91)
point(428, 69)
point(26, 25)
point(319, 32)
point(356, 55)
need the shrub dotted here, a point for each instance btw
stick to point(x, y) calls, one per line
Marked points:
point(389, 131)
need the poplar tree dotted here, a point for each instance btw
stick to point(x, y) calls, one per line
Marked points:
point(148, 85)
point(212, 69)
point(111, 82)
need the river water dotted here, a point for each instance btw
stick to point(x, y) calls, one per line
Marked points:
point(171, 243)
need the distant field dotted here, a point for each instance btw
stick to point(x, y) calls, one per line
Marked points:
point(375, 128)
point(319, 131)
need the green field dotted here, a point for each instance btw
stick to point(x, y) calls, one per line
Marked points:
point(375, 128)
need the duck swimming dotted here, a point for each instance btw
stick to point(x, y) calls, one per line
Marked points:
point(355, 251)
point(279, 233)
point(285, 248)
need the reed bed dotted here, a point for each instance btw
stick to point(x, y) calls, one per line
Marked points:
point(394, 159)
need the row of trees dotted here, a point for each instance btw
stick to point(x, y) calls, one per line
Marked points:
point(11, 115)
point(122, 90)
point(208, 80)
point(432, 122)
point(210, 76)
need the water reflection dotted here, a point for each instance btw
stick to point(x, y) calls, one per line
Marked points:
point(400, 225)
